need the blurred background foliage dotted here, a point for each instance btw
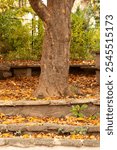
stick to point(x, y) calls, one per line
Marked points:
point(21, 31)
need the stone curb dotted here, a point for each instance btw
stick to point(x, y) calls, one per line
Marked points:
point(71, 101)
point(29, 142)
point(16, 66)
point(91, 143)
point(4, 67)
point(39, 127)
point(49, 108)
point(27, 69)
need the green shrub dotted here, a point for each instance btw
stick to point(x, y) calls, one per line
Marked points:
point(38, 39)
point(16, 37)
point(13, 32)
point(85, 39)
point(22, 54)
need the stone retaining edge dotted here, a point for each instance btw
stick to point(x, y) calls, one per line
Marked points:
point(38, 127)
point(48, 102)
point(29, 142)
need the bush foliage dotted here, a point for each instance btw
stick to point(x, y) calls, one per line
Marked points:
point(24, 41)
point(85, 38)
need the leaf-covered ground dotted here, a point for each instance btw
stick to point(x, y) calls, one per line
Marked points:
point(4, 119)
point(49, 135)
point(83, 86)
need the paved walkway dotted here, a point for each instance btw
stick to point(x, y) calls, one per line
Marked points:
point(48, 148)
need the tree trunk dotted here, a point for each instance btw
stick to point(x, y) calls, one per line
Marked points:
point(55, 56)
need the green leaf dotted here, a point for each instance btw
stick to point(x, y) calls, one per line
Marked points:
point(80, 115)
point(83, 107)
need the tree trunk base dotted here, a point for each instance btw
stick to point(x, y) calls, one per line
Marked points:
point(43, 92)
point(70, 92)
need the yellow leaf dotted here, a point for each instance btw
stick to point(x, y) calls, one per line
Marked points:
point(26, 136)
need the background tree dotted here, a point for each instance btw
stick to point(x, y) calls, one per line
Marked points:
point(56, 45)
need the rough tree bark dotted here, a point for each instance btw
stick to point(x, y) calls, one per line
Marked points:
point(56, 45)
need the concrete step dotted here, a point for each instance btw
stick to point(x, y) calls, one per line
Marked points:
point(50, 142)
point(63, 132)
point(50, 127)
point(49, 134)
point(49, 148)
point(49, 108)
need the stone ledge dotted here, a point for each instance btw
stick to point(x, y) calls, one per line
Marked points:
point(21, 142)
point(91, 143)
point(69, 101)
point(17, 66)
point(4, 67)
point(2, 142)
point(39, 127)
point(48, 108)
point(22, 72)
